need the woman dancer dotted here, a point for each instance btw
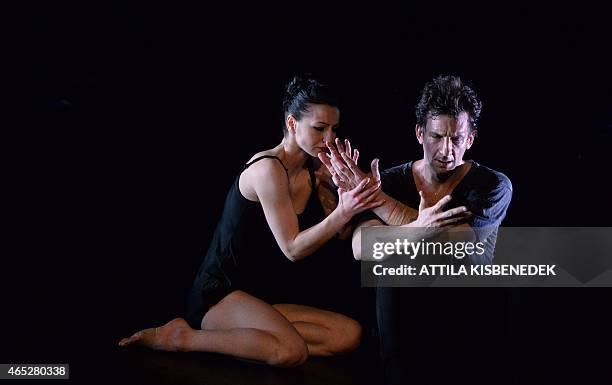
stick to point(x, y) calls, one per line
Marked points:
point(280, 209)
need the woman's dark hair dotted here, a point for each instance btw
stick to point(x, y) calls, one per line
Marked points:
point(448, 95)
point(302, 91)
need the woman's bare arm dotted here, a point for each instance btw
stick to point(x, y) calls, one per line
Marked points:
point(269, 181)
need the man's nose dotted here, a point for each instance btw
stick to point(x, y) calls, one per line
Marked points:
point(447, 146)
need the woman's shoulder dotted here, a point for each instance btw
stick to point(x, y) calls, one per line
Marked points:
point(265, 164)
point(265, 153)
point(262, 167)
point(266, 159)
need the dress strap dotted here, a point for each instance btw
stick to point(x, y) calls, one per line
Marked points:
point(310, 165)
point(265, 157)
point(311, 172)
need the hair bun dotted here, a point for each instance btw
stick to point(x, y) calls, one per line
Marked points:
point(298, 84)
point(304, 90)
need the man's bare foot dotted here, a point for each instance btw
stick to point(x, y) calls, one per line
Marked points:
point(172, 337)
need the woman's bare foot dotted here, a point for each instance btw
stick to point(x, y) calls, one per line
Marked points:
point(172, 337)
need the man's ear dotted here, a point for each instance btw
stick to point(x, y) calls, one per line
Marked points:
point(291, 124)
point(470, 139)
point(419, 133)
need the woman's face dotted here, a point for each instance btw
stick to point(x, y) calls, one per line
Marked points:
point(317, 125)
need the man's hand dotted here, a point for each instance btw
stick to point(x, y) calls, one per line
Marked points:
point(342, 165)
point(433, 217)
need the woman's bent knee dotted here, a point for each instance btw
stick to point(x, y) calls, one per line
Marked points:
point(347, 338)
point(289, 355)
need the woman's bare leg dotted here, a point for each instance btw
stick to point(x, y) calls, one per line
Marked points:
point(240, 325)
point(326, 333)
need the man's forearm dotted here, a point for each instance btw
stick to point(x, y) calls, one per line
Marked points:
point(395, 213)
point(356, 241)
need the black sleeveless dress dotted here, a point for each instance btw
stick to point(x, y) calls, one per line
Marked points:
point(243, 254)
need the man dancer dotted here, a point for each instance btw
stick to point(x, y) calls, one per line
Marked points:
point(410, 321)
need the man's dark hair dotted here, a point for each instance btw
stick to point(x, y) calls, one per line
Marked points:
point(302, 91)
point(448, 95)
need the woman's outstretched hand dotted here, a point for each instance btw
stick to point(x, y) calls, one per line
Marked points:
point(358, 199)
point(342, 165)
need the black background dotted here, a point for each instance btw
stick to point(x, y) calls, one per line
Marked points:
point(135, 119)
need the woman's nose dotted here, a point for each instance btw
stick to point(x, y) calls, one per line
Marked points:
point(329, 136)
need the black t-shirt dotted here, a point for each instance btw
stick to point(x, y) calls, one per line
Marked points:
point(423, 326)
point(485, 192)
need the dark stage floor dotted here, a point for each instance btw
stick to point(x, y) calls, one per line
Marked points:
point(548, 339)
point(141, 366)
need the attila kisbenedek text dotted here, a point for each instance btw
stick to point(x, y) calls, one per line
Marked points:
point(458, 250)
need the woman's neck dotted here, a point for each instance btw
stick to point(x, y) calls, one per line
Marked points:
point(293, 157)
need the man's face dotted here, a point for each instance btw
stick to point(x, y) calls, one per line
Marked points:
point(445, 139)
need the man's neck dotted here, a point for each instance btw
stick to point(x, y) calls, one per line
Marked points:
point(429, 176)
